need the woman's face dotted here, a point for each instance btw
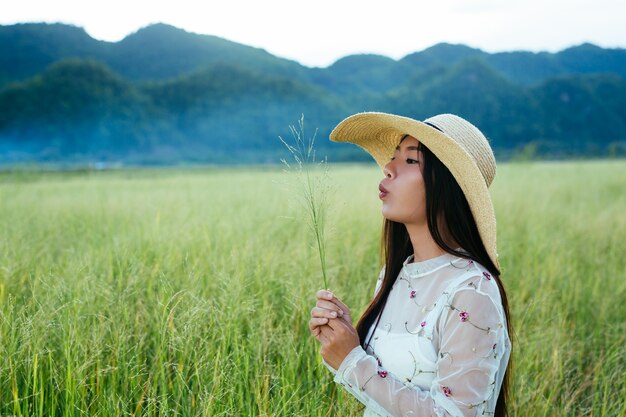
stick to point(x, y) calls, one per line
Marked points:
point(402, 190)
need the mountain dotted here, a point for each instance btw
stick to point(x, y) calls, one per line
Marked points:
point(82, 109)
point(226, 107)
point(162, 51)
point(27, 49)
point(154, 52)
point(164, 95)
point(589, 109)
point(358, 74)
point(74, 108)
point(473, 90)
point(442, 54)
point(528, 67)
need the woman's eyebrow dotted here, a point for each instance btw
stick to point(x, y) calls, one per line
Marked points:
point(408, 148)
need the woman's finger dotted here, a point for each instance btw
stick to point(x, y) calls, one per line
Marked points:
point(330, 306)
point(316, 332)
point(323, 312)
point(325, 294)
point(326, 332)
point(321, 336)
point(336, 324)
point(329, 296)
point(315, 322)
point(341, 305)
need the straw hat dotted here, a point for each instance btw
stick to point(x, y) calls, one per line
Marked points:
point(455, 141)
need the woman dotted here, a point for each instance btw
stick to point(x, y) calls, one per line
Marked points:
point(434, 339)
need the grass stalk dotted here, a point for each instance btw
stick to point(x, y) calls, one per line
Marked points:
point(314, 190)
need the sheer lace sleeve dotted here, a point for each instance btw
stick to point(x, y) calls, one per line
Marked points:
point(472, 339)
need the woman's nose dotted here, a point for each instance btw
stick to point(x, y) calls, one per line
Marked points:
point(388, 169)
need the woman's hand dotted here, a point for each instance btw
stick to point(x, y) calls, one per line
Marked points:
point(338, 338)
point(327, 307)
point(331, 324)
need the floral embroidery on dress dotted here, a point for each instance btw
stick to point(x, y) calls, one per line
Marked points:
point(464, 315)
point(446, 391)
point(487, 275)
point(382, 373)
point(465, 318)
point(413, 296)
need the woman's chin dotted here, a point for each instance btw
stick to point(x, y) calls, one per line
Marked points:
point(389, 216)
point(394, 217)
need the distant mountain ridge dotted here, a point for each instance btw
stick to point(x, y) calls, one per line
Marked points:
point(162, 51)
point(154, 52)
point(164, 95)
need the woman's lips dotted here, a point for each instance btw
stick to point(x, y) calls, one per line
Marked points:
point(383, 191)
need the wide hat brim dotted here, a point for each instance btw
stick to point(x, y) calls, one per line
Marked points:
point(380, 133)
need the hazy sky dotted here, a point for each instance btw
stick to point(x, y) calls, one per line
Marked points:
point(316, 33)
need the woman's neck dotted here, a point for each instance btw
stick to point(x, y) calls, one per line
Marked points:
point(424, 246)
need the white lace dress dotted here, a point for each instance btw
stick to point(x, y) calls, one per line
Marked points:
point(441, 346)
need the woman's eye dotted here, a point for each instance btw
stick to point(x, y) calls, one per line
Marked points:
point(392, 158)
point(412, 161)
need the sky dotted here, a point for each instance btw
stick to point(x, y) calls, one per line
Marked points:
point(317, 33)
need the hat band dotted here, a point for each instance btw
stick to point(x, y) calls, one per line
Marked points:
point(432, 125)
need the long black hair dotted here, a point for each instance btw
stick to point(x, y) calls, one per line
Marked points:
point(446, 206)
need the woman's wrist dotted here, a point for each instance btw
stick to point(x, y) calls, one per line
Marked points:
point(352, 356)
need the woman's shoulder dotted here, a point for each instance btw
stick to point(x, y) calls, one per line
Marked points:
point(476, 278)
point(477, 286)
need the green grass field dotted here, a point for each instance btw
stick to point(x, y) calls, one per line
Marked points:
point(187, 292)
